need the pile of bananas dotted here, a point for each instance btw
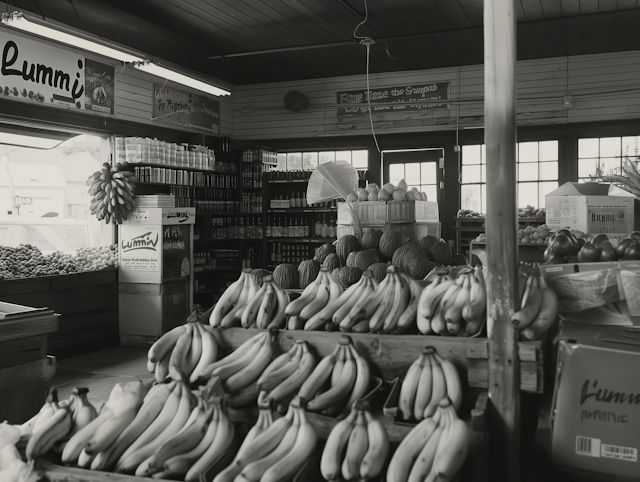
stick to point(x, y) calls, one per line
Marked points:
point(273, 451)
point(453, 306)
point(312, 310)
point(284, 376)
point(239, 371)
point(387, 307)
point(113, 192)
point(429, 379)
point(184, 351)
point(338, 380)
point(168, 431)
point(245, 303)
point(55, 422)
point(538, 309)
point(434, 449)
point(357, 447)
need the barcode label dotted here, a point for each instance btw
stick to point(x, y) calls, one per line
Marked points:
point(588, 446)
point(620, 453)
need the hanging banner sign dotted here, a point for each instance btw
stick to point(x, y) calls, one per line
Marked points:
point(99, 87)
point(35, 72)
point(426, 94)
point(181, 108)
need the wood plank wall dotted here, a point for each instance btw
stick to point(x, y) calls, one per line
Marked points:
point(259, 111)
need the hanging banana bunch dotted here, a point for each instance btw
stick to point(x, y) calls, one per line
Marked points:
point(112, 191)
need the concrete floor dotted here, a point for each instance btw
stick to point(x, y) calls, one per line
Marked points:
point(100, 371)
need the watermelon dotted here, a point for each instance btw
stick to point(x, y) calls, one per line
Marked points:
point(363, 259)
point(390, 241)
point(286, 276)
point(370, 238)
point(378, 271)
point(258, 274)
point(441, 253)
point(332, 261)
point(345, 245)
point(349, 275)
point(307, 272)
point(413, 260)
point(323, 251)
point(428, 241)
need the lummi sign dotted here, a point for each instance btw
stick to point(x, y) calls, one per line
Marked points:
point(396, 99)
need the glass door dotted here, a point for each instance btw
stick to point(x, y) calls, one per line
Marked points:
point(418, 167)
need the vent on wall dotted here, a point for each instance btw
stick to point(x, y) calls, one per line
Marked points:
point(295, 101)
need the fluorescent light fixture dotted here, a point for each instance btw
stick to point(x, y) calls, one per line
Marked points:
point(169, 74)
point(19, 21)
point(28, 141)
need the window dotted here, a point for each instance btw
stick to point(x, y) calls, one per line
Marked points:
point(44, 199)
point(295, 161)
point(422, 175)
point(598, 157)
point(537, 174)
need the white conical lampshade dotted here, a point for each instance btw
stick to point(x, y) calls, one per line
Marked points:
point(331, 180)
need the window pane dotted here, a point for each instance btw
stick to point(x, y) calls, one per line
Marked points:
point(471, 174)
point(609, 146)
point(412, 173)
point(431, 192)
point(588, 147)
point(549, 170)
point(527, 172)
point(343, 156)
point(471, 155)
point(360, 159)
point(396, 173)
point(483, 173)
point(470, 197)
point(548, 151)
point(282, 161)
point(527, 152)
point(545, 188)
point(484, 154)
point(587, 168)
point(527, 194)
point(631, 146)
point(327, 156)
point(428, 173)
point(609, 166)
point(310, 160)
point(294, 161)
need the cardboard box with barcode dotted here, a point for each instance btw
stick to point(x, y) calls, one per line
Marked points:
point(604, 293)
point(596, 402)
point(592, 208)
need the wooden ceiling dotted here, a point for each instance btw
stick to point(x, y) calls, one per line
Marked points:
point(261, 41)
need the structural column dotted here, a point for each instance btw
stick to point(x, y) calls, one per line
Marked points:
point(501, 227)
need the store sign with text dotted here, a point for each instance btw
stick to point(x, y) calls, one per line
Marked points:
point(391, 100)
point(140, 248)
point(177, 107)
point(35, 72)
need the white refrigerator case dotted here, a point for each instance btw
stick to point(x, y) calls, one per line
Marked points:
point(155, 259)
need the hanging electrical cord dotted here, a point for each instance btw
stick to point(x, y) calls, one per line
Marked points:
point(367, 42)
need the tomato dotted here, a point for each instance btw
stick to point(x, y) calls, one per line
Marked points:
point(572, 259)
point(632, 251)
point(599, 239)
point(607, 253)
point(580, 242)
point(588, 253)
point(635, 235)
point(555, 260)
point(566, 232)
point(622, 246)
point(562, 245)
point(548, 253)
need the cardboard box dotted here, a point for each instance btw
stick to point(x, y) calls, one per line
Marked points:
point(605, 293)
point(592, 208)
point(596, 401)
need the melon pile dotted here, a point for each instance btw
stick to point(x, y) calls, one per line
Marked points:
point(388, 192)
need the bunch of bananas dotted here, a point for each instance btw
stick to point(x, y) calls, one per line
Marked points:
point(312, 310)
point(240, 369)
point(183, 351)
point(81, 410)
point(244, 303)
point(453, 306)
point(266, 308)
point(276, 452)
point(113, 192)
point(168, 430)
point(433, 450)
point(357, 447)
point(339, 379)
point(387, 307)
point(429, 379)
point(538, 309)
point(284, 376)
point(55, 422)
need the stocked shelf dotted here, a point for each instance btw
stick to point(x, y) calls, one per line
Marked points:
point(301, 240)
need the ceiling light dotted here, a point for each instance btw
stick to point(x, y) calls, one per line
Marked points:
point(34, 142)
point(169, 74)
point(33, 25)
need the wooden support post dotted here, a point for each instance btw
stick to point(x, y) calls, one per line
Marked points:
point(501, 227)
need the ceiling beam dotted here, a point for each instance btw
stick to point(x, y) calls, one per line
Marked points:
point(345, 43)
